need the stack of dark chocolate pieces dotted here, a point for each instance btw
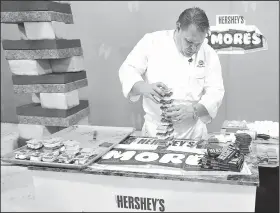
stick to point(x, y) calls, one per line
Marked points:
point(243, 142)
point(228, 158)
point(165, 129)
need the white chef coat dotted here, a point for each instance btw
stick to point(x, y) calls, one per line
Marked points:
point(155, 58)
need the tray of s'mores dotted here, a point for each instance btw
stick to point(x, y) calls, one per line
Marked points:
point(165, 128)
point(54, 152)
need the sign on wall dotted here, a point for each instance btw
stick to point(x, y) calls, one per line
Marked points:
point(232, 36)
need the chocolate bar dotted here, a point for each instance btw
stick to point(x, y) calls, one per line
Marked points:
point(226, 156)
point(236, 161)
point(209, 161)
point(238, 167)
point(218, 168)
point(227, 153)
point(214, 152)
point(223, 166)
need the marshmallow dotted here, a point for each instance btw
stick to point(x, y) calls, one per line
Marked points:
point(43, 30)
point(35, 97)
point(30, 67)
point(71, 64)
point(60, 100)
point(32, 131)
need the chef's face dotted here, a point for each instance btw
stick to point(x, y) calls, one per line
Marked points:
point(189, 40)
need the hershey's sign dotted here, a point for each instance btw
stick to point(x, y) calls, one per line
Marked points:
point(232, 36)
point(140, 203)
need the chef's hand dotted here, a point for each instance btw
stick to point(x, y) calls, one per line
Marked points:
point(154, 91)
point(179, 112)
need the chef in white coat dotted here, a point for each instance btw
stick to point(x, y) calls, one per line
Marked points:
point(180, 60)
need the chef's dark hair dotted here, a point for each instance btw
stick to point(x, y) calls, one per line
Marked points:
point(194, 16)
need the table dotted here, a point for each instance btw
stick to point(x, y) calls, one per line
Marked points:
point(49, 189)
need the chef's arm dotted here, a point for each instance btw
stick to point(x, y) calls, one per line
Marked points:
point(134, 67)
point(210, 102)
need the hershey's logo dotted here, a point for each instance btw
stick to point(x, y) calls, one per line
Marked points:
point(140, 203)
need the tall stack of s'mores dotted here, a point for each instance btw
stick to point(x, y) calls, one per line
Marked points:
point(45, 65)
point(165, 130)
